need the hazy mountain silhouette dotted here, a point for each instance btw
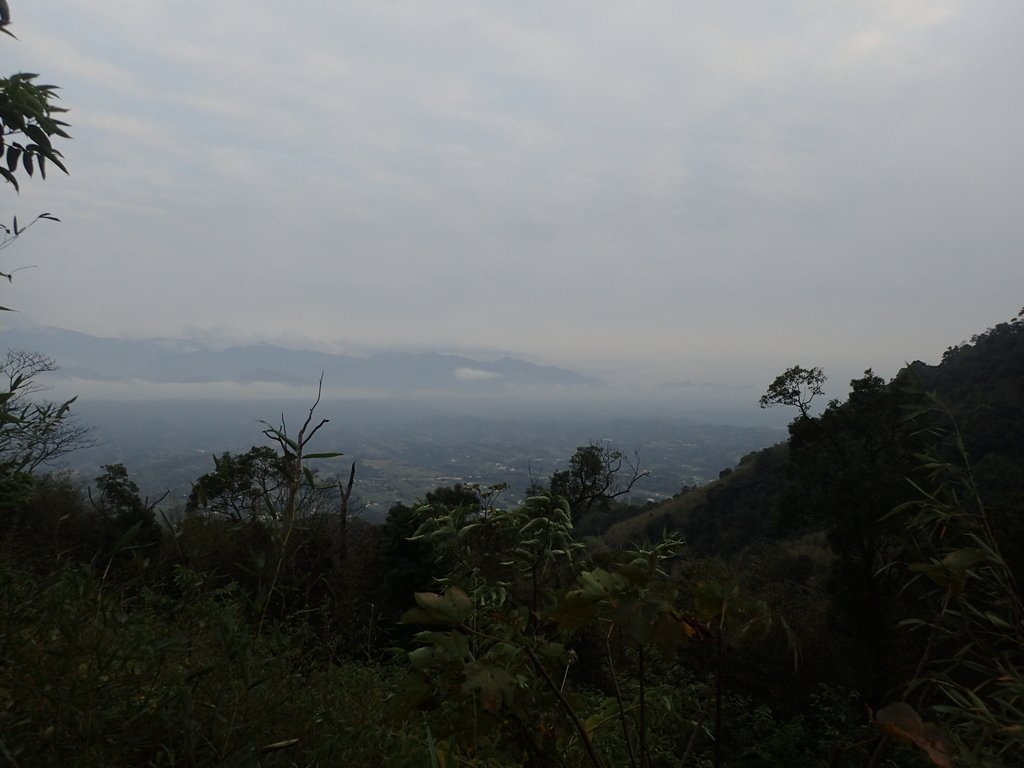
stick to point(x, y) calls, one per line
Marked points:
point(92, 358)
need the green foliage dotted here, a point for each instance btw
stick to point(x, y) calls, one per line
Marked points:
point(225, 647)
point(295, 473)
point(635, 598)
point(726, 516)
point(100, 673)
point(28, 124)
point(970, 674)
point(119, 494)
point(797, 387)
point(730, 613)
point(128, 521)
point(33, 433)
point(401, 566)
point(267, 522)
point(846, 469)
point(234, 643)
point(486, 671)
point(34, 533)
point(243, 487)
point(980, 382)
point(523, 625)
point(597, 475)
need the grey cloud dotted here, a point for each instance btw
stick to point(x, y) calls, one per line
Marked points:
point(670, 186)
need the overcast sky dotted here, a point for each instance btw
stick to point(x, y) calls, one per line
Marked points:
point(687, 190)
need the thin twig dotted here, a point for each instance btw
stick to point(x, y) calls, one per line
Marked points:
point(580, 728)
point(618, 698)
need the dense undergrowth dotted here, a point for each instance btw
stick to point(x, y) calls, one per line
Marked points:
point(126, 643)
point(101, 673)
point(102, 670)
point(859, 609)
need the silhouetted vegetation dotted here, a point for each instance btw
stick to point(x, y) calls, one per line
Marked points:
point(848, 598)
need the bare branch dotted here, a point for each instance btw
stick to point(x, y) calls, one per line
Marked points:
point(34, 433)
point(597, 474)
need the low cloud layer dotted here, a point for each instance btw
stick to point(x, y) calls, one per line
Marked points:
point(672, 190)
point(475, 374)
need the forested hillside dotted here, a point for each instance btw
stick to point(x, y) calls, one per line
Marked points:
point(848, 598)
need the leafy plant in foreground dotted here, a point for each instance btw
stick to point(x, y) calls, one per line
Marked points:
point(971, 674)
point(499, 669)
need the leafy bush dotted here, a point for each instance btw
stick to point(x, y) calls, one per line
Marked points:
point(92, 673)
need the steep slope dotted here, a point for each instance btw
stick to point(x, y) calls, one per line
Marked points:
point(854, 459)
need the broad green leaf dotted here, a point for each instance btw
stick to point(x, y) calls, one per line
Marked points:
point(413, 690)
point(712, 600)
point(554, 652)
point(494, 685)
point(424, 658)
point(453, 644)
point(669, 632)
point(453, 607)
point(599, 583)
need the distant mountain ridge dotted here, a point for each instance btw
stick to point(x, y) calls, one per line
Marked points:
point(93, 358)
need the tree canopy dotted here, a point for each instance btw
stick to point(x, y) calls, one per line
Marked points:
point(30, 119)
point(796, 386)
point(597, 474)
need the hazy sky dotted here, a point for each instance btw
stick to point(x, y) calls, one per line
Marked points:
point(700, 190)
